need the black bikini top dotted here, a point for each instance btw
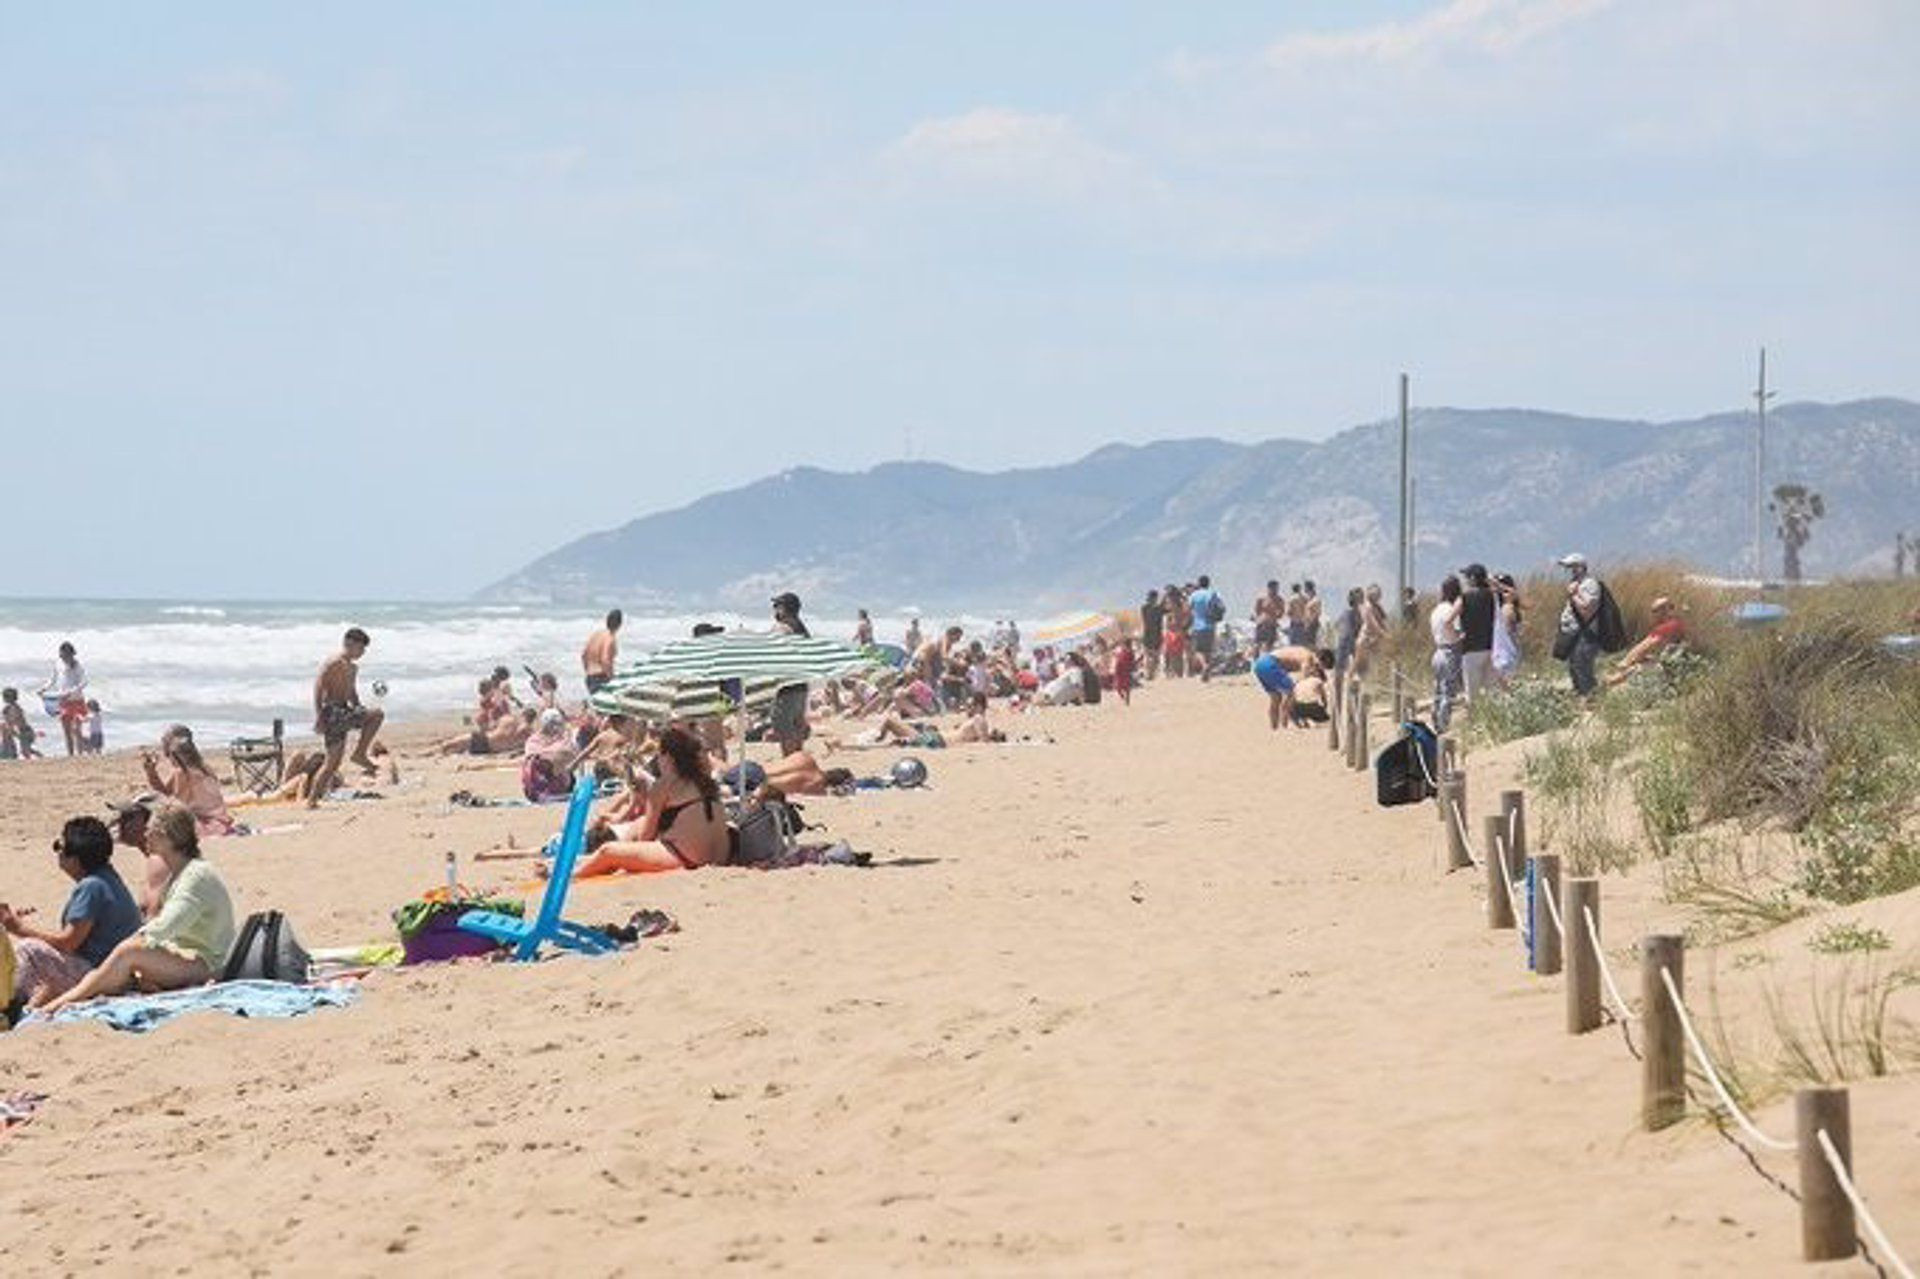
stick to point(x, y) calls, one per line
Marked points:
point(672, 811)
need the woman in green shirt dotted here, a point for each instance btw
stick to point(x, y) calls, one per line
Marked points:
point(186, 942)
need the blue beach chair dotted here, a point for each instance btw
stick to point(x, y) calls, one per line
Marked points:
point(525, 936)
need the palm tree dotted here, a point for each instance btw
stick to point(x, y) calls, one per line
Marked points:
point(1796, 506)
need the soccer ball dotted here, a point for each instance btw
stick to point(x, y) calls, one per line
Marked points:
point(379, 688)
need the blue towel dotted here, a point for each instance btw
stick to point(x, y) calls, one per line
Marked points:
point(139, 1013)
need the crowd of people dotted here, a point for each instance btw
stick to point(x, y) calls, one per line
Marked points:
point(676, 795)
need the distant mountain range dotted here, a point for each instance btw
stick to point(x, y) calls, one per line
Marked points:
point(1511, 487)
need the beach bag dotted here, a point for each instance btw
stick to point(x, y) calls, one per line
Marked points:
point(430, 929)
point(1401, 773)
point(266, 950)
point(1216, 610)
point(761, 836)
point(1610, 627)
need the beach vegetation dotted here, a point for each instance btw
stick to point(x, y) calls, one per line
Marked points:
point(1846, 937)
point(1531, 706)
point(1850, 1028)
point(1733, 883)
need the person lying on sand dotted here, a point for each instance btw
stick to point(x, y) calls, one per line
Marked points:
point(684, 826)
point(890, 731)
point(180, 773)
point(800, 774)
point(99, 915)
point(187, 941)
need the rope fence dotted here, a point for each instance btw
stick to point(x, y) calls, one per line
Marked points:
point(1831, 1203)
point(1879, 1236)
point(1720, 1089)
point(1622, 1013)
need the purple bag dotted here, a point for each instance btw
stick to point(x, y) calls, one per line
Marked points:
point(441, 940)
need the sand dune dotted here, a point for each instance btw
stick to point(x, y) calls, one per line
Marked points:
point(1168, 995)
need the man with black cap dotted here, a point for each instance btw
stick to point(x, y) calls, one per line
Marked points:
point(790, 703)
point(1476, 632)
point(786, 614)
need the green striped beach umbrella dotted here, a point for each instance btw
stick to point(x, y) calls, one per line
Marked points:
point(795, 659)
point(669, 698)
point(690, 674)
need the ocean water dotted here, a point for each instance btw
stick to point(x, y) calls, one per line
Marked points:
point(227, 669)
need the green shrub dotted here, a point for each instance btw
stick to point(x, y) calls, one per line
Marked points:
point(1663, 792)
point(1854, 847)
point(1782, 720)
point(1848, 938)
point(1530, 707)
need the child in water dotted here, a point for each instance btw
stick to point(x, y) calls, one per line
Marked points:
point(93, 735)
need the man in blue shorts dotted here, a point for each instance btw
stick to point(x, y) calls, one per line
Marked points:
point(1274, 679)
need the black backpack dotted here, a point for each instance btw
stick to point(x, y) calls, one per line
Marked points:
point(1609, 627)
point(267, 950)
point(1402, 772)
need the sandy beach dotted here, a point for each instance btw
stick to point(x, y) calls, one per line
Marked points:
point(1167, 993)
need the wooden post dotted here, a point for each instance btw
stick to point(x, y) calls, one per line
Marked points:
point(1513, 824)
point(1546, 938)
point(1453, 803)
point(1826, 1215)
point(1336, 707)
point(1353, 719)
point(1360, 750)
point(1663, 1069)
point(1582, 896)
point(1499, 904)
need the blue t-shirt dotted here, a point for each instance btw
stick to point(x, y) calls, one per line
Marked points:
point(1203, 603)
point(102, 896)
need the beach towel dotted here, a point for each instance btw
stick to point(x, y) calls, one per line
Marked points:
point(141, 1013)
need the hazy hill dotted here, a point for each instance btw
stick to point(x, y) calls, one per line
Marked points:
point(1512, 487)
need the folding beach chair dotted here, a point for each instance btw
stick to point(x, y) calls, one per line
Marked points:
point(259, 762)
point(524, 935)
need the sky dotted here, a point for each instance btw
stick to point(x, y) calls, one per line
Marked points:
point(368, 300)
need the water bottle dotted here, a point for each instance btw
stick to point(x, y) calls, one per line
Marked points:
point(453, 872)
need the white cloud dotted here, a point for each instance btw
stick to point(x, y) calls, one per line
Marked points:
point(998, 145)
point(1481, 26)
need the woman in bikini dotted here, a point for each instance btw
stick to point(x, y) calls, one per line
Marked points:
point(180, 773)
point(684, 826)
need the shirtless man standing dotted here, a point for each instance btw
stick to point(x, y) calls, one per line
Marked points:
point(602, 650)
point(337, 712)
point(1266, 618)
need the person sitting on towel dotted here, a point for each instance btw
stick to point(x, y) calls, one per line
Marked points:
point(99, 915)
point(187, 941)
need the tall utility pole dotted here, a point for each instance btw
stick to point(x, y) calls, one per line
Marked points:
point(1403, 566)
point(1760, 397)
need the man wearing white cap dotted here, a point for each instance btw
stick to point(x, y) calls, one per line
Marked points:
point(1579, 639)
